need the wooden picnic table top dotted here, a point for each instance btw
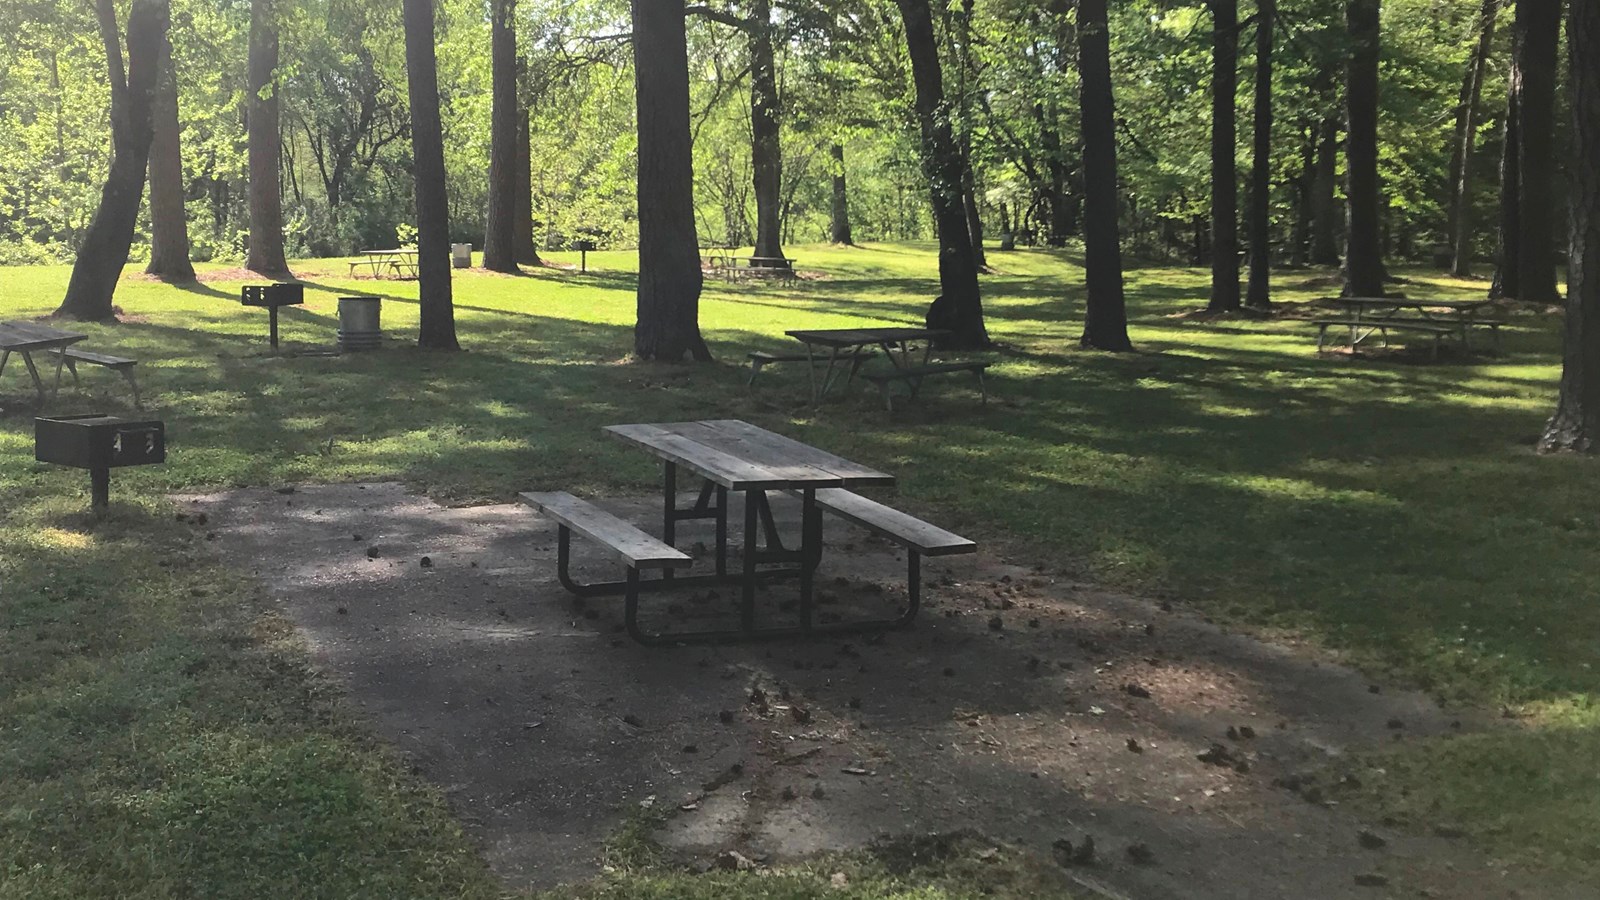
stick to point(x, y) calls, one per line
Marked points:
point(396, 252)
point(1412, 303)
point(22, 337)
point(742, 457)
point(860, 337)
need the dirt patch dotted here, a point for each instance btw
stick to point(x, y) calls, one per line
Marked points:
point(1149, 753)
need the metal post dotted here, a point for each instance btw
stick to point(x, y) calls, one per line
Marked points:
point(100, 489)
point(747, 593)
point(272, 326)
point(722, 531)
point(669, 518)
point(583, 262)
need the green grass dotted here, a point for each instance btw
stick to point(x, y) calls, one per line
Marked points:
point(1390, 510)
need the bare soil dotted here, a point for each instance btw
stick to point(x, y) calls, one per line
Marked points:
point(1024, 705)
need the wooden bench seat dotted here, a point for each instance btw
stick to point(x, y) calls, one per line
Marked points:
point(919, 538)
point(71, 356)
point(913, 376)
point(760, 358)
point(1435, 329)
point(636, 549)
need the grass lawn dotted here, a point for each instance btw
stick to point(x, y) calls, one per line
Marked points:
point(162, 735)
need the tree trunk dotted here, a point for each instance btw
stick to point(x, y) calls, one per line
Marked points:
point(969, 204)
point(1105, 318)
point(1305, 186)
point(169, 225)
point(1259, 294)
point(499, 233)
point(438, 328)
point(960, 307)
point(1224, 170)
point(1324, 201)
point(1363, 258)
point(525, 247)
point(668, 325)
point(766, 120)
point(1055, 163)
point(1461, 151)
point(1508, 272)
point(265, 143)
point(840, 233)
point(1576, 423)
point(105, 245)
point(1538, 28)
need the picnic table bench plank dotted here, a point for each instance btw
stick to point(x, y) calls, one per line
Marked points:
point(906, 529)
point(632, 545)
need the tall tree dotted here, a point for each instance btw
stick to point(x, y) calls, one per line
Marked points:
point(1105, 319)
point(1324, 190)
point(1224, 170)
point(668, 326)
point(1259, 294)
point(1576, 423)
point(839, 231)
point(766, 125)
point(265, 142)
point(169, 222)
point(960, 306)
point(1363, 258)
point(499, 235)
point(1538, 29)
point(438, 326)
point(1461, 223)
point(105, 245)
point(1508, 269)
point(523, 245)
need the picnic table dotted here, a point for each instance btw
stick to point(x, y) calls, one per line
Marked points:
point(1375, 315)
point(402, 263)
point(731, 456)
point(735, 267)
point(25, 338)
point(853, 346)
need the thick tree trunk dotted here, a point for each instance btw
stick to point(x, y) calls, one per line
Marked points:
point(1259, 294)
point(1508, 272)
point(169, 223)
point(668, 325)
point(1363, 259)
point(840, 232)
point(105, 245)
point(1576, 423)
point(524, 246)
point(766, 120)
point(499, 233)
point(1105, 319)
point(1324, 198)
point(438, 327)
point(1538, 27)
point(960, 307)
point(1461, 229)
point(265, 143)
point(1224, 170)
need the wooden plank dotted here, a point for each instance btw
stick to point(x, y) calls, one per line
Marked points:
point(633, 546)
point(751, 449)
point(928, 539)
point(722, 468)
point(99, 359)
point(772, 447)
point(858, 337)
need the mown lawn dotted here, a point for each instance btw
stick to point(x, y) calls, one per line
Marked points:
point(162, 736)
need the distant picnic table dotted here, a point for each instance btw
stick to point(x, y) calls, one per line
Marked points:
point(853, 346)
point(731, 456)
point(400, 263)
point(1367, 316)
point(725, 264)
point(24, 338)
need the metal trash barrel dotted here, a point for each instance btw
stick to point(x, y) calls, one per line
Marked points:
point(359, 327)
point(461, 255)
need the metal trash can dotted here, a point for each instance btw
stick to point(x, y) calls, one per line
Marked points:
point(461, 255)
point(359, 327)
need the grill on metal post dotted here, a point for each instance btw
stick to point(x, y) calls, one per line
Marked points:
point(272, 296)
point(99, 443)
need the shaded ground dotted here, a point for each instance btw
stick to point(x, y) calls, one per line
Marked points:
point(1026, 706)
